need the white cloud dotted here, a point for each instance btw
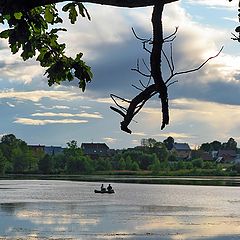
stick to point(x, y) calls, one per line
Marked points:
point(215, 3)
point(29, 121)
point(110, 140)
point(108, 25)
point(231, 19)
point(36, 96)
point(175, 135)
point(139, 134)
point(14, 69)
point(103, 100)
point(194, 121)
point(10, 104)
point(60, 107)
point(84, 115)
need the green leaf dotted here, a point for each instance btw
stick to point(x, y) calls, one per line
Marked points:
point(49, 17)
point(73, 14)
point(5, 33)
point(83, 10)
point(67, 7)
point(82, 85)
point(18, 15)
point(55, 30)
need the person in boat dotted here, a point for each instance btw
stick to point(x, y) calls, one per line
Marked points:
point(103, 188)
point(109, 188)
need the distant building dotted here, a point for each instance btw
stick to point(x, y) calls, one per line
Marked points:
point(42, 149)
point(53, 150)
point(95, 149)
point(181, 150)
point(37, 150)
point(205, 156)
point(226, 156)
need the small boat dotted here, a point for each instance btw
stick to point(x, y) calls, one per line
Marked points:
point(104, 191)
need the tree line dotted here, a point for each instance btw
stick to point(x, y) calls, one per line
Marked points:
point(152, 157)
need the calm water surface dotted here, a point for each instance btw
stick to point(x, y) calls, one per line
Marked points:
point(39, 209)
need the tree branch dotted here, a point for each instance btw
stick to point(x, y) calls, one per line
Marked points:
point(155, 61)
point(8, 6)
point(194, 69)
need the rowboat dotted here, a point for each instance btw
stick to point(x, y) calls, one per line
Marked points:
point(104, 191)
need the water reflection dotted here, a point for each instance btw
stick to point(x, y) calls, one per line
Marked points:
point(135, 212)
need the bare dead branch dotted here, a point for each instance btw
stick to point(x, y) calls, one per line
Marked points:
point(159, 86)
point(143, 40)
point(143, 96)
point(146, 65)
point(137, 37)
point(170, 40)
point(118, 111)
point(172, 83)
point(139, 71)
point(145, 48)
point(194, 69)
point(171, 35)
point(235, 37)
point(143, 84)
point(137, 87)
point(171, 56)
point(124, 100)
point(168, 62)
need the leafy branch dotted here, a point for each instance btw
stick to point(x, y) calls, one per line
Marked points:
point(32, 33)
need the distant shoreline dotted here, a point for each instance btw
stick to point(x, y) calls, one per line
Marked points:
point(138, 179)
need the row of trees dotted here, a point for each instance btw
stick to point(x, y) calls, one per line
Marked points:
point(17, 157)
point(231, 144)
point(215, 145)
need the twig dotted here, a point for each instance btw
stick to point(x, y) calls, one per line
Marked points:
point(137, 87)
point(194, 69)
point(171, 35)
point(172, 83)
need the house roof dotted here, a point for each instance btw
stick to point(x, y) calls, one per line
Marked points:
point(94, 146)
point(231, 153)
point(206, 156)
point(95, 149)
point(181, 146)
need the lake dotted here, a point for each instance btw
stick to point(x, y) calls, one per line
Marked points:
point(50, 209)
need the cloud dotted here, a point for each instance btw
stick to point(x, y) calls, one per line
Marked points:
point(57, 107)
point(37, 95)
point(110, 140)
point(29, 121)
point(139, 134)
point(10, 104)
point(191, 120)
point(103, 100)
point(214, 3)
point(14, 69)
point(175, 135)
point(231, 19)
point(84, 115)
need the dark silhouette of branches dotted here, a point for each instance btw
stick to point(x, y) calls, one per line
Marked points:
point(194, 69)
point(11, 6)
point(159, 85)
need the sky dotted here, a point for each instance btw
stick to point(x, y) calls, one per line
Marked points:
point(204, 105)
